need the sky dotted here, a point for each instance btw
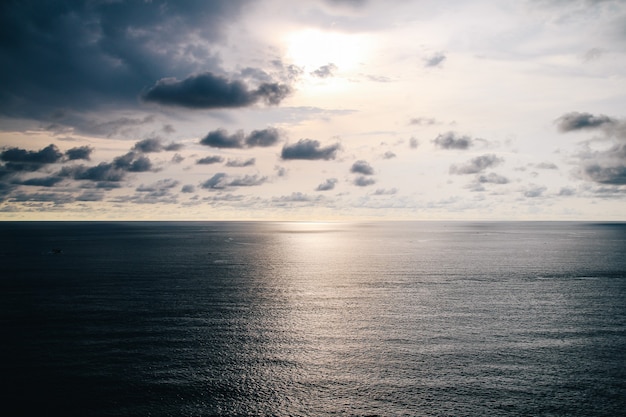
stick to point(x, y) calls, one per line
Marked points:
point(313, 110)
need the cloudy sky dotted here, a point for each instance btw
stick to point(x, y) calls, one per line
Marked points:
point(313, 110)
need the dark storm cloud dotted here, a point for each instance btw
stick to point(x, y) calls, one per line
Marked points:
point(238, 163)
point(309, 149)
point(389, 155)
point(578, 121)
point(327, 185)
point(363, 181)
point(362, 167)
point(220, 138)
point(82, 54)
point(210, 160)
point(451, 140)
point(325, 71)
point(413, 143)
point(210, 91)
point(434, 60)
point(221, 181)
point(476, 165)
point(48, 155)
point(81, 152)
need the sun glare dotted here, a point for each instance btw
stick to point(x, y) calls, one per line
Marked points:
point(312, 49)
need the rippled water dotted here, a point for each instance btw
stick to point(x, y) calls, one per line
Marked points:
point(313, 319)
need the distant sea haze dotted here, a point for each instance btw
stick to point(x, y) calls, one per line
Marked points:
point(313, 319)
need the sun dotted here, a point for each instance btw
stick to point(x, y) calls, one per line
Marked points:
point(311, 49)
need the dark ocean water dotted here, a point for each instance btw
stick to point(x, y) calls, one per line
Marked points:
point(297, 319)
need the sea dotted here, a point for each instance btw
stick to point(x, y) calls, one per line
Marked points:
point(312, 319)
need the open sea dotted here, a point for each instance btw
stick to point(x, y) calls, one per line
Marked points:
point(312, 319)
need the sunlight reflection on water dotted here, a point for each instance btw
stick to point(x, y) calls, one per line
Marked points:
point(317, 319)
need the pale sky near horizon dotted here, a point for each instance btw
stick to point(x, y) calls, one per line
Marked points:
point(313, 110)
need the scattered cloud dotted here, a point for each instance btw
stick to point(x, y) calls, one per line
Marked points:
point(309, 149)
point(386, 191)
point(327, 185)
point(476, 165)
point(570, 122)
point(220, 138)
point(210, 160)
point(535, 191)
point(263, 137)
point(221, 181)
point(606, 166)
point(546, 165)
point(148, 145)
point(492, 178)
point(80, 152)
point(325, 71)
point(423, 121)
point(362, 167)
point(434, 60)
point(363, 181)
point(188, 188)
point(451, 140)
point(159, 188)
point(238, 163)
point(295, 197)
